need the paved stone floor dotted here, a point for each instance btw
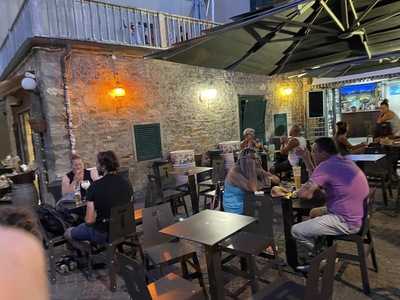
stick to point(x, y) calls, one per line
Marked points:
point(385, 285)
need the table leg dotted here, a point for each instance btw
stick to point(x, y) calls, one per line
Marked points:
point(290, 242)
point(193, 193)
point(215, 278)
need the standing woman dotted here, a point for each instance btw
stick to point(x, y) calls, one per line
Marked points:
point(342, 144)
point(71, 181)
point(246, 176)
point(388, 116)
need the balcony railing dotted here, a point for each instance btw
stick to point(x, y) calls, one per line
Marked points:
point(95, 21)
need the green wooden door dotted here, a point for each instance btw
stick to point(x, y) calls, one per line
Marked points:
point(252, 114)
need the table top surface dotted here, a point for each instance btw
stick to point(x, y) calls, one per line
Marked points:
point(190, 170)
point(209, 227)
point(138, 213)
point(366, 157)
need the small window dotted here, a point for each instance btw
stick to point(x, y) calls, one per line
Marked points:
point(147, 141)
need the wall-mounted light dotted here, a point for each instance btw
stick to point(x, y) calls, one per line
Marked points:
point(117, 92)
point(208, 94)
point(286, 91)
point(29, 81)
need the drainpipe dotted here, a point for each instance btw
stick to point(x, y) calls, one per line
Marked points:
point(67, 101)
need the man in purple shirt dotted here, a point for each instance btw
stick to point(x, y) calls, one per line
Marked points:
point(345, 187)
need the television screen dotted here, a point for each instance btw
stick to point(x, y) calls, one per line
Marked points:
point(315, 104)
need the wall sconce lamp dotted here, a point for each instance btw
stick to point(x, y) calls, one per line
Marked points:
point(208, 94)
point(117, 92)
point(29, 81)
point(286, 91)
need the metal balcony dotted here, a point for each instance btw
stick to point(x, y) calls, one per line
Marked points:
point(95, 21)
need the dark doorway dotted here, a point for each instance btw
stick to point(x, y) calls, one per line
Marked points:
point(252, 114)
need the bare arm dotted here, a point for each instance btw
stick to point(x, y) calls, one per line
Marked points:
point(307, 190)
point(293, 143)
point(94, 174)
point(354, 149)
point(90, 217)
point(67, 187)
point(385, 117)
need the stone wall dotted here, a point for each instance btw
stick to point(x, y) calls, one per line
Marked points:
point(294, 105)
point(156, 91)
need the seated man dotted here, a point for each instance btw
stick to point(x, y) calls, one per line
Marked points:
point(289, 147)
point(345, 187)
point(109, 191)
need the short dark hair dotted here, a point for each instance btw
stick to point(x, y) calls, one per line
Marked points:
point(385, 102)
point(108, 160)
point(327, 145)
point(20, 218)
point(341, 127)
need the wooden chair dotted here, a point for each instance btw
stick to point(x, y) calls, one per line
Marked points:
point(379, 174)
point(362, 238)
point(318, 287)
point(161, 250)
point(161, 191)
point(213, 188)
point(169, 287)
point(122, 228)
point(251, 242)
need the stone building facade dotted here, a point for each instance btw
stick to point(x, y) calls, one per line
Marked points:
point(82, 117)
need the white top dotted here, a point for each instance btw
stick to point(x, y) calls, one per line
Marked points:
point(292, 156)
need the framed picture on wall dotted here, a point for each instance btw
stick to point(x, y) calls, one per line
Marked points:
point(280, 124)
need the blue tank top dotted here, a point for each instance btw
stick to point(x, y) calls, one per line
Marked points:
point(233, 198)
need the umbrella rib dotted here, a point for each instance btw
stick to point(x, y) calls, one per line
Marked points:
point(296, 44)
point(345, 13)
point(250, 30)
point(381, 19)
point(302, 24)
point(364, 14)
point(332, 15)
point(257, 46)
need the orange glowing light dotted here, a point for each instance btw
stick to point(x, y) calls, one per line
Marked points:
point(286, 91)
point(118, 92)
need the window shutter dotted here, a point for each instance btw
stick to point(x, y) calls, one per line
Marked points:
point(147, 141)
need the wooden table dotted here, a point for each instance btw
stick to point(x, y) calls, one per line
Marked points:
point(289, 207)
point(208, 228)
point(192, 173)
point(80, 209)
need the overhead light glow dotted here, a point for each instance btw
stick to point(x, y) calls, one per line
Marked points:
point(287, 91)
point(118, 92)
point(208, 94)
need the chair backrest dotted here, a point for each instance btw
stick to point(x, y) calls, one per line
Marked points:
point(262, 208)
point(154, 219)
point(167, 180)
point(122, 222)
point(317, 286)
point(55, 189)
point(134, 276)
point(366, 216)
point(153, 194)
point(198, 158)
point(218, 172)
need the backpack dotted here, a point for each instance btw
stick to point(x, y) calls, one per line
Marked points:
point(53, 222)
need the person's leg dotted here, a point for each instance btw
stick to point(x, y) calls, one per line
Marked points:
point(306, 232)
point(82, 232)
point(318, 212)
